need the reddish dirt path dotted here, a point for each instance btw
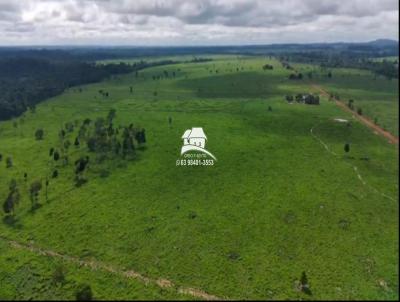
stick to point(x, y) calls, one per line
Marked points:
point(378, 130)
point(95, 265)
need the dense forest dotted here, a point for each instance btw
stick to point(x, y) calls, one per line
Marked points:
point(27, 79)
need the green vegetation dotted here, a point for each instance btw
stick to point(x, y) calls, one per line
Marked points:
point(26, 81)
point(375, 95)
point(26, 276)
point(285, 213)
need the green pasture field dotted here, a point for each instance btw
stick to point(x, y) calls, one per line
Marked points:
point(26, 276)
point(377, 96)
point(175, 58)
point(276, 203)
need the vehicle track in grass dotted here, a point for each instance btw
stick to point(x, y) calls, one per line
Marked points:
point(95, 265)
point(359, 176)
point(386, 134)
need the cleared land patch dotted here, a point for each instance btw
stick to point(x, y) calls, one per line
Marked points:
point(276, 204)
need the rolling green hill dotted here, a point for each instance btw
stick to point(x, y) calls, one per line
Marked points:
point(283, 198)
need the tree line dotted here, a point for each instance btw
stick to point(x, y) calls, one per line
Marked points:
point(384, 68)
point(26, 81)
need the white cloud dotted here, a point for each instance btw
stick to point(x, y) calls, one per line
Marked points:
point(173, 22)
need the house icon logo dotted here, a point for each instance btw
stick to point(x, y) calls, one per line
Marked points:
point(195, 140)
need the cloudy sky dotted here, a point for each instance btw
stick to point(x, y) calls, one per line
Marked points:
point(194, 22)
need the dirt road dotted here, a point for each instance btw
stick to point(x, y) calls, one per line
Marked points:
point(390, 137)
point(98, 265)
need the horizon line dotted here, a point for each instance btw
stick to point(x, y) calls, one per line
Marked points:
point(185, 45)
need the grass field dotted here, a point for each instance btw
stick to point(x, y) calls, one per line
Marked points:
point(375, 95)
point(276, 203)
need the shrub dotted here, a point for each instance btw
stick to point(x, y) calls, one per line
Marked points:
point(192, 215)
point(305, 288)
point(58, 275)
point(34, 190)
point(9, 162)
point(56, 155)
point(83, 293)
point(234, 256)
point(39, 134)
point(69, 127)
point(104, 173)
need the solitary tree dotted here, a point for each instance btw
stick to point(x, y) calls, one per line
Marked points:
point(140, 136)
point(56, 155)
point(69, 127)
point(9, 162)
point(289, 98)
point(59, 274)
point(62, 133)
point(84, 293)
point(347, 147)
point(34, 190)
point(305, 287)
point(12, 198)
point(47, 186)
point(80, 166)
point(67, 143)
point(111, 115)
point(39, 134)
point(350, 104)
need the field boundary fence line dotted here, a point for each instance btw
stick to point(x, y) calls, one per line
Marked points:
point(359, 176)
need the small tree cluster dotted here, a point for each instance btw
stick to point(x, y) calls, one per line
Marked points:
point(307, 98)
point(105, 138)
point(104, 93)
point(294, 76)
point(289, 98)
point(267, 67)
point(286, 65)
